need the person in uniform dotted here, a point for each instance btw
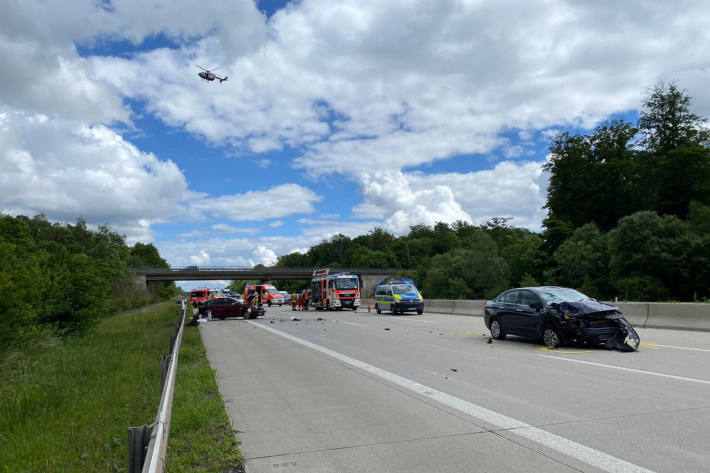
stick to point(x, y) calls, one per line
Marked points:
point(294, 301)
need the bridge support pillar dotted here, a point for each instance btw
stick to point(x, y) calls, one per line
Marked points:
point(368, 285)
point(138, 282)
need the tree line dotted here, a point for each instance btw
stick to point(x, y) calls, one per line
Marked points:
point(58, 278)
point(628, 216)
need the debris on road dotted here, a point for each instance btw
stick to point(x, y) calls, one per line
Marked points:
point(295, 318)
point(454, 370)
point(319, 318)
point(387, 328)
point(490, 340)
point(271, 321)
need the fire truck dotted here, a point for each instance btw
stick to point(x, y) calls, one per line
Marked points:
point(334, 291)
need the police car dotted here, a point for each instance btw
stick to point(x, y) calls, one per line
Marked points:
point(398, 296)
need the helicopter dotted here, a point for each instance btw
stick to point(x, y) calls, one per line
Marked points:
point(209, 76)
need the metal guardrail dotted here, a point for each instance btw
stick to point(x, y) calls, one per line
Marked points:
point(147, 454)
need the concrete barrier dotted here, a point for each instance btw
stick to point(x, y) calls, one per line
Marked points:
point(683, 316)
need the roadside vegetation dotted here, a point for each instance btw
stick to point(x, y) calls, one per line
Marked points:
point(201, 436)
point(59, 279)
point(628, 216)
point(66, 403)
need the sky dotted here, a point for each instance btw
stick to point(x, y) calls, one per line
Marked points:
point(337, 116)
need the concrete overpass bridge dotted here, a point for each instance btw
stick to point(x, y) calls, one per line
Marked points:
point(368, 276)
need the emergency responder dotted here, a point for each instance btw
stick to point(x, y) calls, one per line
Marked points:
point(300, 301)
point(257, 298)
point(294, 301)
point(250, 297)
point(306, 296)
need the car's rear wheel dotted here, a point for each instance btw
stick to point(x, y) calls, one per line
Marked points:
point(551, 338)
point(497, 331)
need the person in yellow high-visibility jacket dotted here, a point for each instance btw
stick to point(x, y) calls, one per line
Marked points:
point(294, 301)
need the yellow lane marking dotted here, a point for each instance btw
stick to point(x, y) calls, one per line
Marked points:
point(459, 332)
point(649, 346)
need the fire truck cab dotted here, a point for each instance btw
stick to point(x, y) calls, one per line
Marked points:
point(334, 291)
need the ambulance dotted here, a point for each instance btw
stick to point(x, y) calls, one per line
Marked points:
point(398, 296)
point(268, 294)
point(334, 291)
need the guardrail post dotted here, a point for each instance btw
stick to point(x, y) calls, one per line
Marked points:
point(137, 448)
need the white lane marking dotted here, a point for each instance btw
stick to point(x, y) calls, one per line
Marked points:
point(588, 455)
point(357, 325)
point(633, 370)
point(679, 348)
point(415, 320)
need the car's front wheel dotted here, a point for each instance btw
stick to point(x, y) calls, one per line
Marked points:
point(420, 311)
point(377, 309)
point(497, 331)
point(551, 338)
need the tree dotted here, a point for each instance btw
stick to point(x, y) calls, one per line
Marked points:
point(655, 257)
point(677, 158)
point(583, 261)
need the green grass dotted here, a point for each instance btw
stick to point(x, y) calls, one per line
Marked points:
point(66, 404)
point(201, 436)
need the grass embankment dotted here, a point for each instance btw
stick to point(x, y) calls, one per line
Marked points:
point(66, 404)
point(201, 437)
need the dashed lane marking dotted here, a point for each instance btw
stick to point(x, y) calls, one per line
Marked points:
point(588, 455)
point(633, 370)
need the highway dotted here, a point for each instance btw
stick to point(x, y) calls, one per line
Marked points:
point(360, 392)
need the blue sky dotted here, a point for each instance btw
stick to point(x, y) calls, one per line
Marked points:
point(337, 116)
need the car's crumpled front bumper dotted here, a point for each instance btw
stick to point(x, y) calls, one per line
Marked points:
point(613, 330)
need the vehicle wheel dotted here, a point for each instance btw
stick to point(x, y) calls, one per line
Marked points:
point(377, 309)
point(497, 331)
point(393, 309)
point(551, 338)
point(268, 303)
point(420, 311)
point(354, 308)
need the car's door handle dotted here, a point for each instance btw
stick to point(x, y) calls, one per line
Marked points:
point(519, 310)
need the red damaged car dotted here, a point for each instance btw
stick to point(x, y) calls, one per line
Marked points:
point(229, 307)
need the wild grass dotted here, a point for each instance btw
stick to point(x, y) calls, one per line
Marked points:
point(66, 403)
point(201, 436)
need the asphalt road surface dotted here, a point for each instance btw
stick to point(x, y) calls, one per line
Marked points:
point(360, 392)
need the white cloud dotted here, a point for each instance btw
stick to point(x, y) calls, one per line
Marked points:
point(278, 201)
point(263, 255)
point(201, 258)
point(67, 170)
point(276, 224)
point(219, 229)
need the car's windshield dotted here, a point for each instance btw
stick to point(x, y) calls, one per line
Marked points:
point(346, 283)
point(559, 294)
point(198, 294)
point(404, 289)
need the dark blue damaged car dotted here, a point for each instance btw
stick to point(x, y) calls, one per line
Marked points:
point(558, 315)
